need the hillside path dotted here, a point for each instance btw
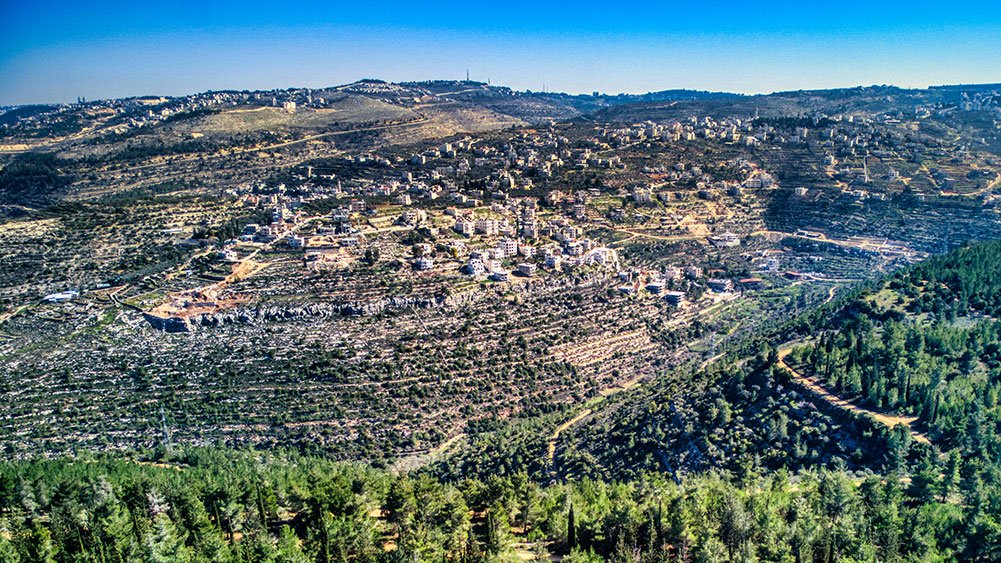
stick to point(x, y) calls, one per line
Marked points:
point(603, 394)
point(811, 383)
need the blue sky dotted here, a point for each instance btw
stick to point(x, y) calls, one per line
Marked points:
point(55, 51)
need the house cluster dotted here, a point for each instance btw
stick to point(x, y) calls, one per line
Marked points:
point(490, 262)
point(493, 169)
point(62, 296)
point(145, 111)
point(516, 220)
point(283, 220)
point(852, 144)
point(981, 101)
point(725, 240)
point(671, 284)
point(675, 284)
point(675, 181)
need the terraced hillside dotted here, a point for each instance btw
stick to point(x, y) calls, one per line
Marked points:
point(375, 270)
point(301, 373)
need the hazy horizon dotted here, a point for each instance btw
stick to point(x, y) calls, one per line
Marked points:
point(57, 52)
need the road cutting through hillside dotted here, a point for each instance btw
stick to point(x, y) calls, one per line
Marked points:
point(604, 393)
point(417, 460)
point(819, 390)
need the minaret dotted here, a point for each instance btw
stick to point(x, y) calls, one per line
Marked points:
point(467, 75)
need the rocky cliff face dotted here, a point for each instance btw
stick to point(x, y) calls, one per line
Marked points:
point(283, 312)
point(169, 324)
point(303, 311)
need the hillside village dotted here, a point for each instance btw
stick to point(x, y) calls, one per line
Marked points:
point(446, 243)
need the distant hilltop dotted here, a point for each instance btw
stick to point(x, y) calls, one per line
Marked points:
point(474, 88)
point(968, 87)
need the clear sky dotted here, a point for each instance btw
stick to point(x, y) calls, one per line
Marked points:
point(53, 51)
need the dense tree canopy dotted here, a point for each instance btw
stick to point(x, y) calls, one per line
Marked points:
point(210, 505)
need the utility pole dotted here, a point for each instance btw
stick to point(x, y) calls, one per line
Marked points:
point(163, 424)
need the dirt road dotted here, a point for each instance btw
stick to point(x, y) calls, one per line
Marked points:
point(604, 393)
point(811, 383)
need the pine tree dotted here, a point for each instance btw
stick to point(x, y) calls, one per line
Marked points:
point(571, 529)
point(951, 474)
point(923, 482)
point(115, 531)
point(164, 544)
point(736, 525)
point(288, 550)
point(39, 545)
point(8, 554)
